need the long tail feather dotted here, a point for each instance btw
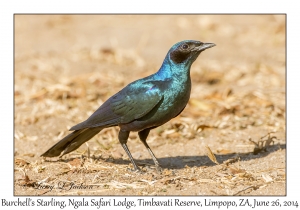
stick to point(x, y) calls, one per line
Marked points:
point(71, 142)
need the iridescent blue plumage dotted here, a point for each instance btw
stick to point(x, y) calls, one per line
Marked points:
point(143, 104)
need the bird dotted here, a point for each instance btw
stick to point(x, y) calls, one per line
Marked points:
point(142, 105)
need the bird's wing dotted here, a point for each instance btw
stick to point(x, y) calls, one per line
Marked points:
point(131, 103)
point(136, 102)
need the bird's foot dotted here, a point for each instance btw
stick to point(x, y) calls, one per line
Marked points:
point(150, 169)
point(158, 169)
point(135, 170)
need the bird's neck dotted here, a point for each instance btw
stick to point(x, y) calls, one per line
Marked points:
point(169, 70)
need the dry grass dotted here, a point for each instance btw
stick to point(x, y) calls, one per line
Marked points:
point(230, 140)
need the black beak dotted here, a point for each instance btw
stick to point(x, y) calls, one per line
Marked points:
point(203, 47)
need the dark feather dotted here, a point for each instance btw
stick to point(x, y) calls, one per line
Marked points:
point(71, 142)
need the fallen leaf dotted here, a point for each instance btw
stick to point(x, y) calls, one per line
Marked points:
point(29, 154)
point(224, 151)
point(211, 155)
point(21, 162)
point(199, 104)
point(234, 170)
point(75, 163)
point(267, 178)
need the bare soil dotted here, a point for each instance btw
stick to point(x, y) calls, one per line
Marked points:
point(230, 139)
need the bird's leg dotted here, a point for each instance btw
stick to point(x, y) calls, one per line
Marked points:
point(123, 137)
point(143, 136)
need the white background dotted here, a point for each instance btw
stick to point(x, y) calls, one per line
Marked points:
point(9, 8)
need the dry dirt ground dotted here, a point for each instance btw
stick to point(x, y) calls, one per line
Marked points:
point(230, 139)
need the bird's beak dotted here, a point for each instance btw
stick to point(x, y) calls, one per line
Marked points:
point(203, 47)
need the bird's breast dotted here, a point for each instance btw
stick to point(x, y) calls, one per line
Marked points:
point(175, 98)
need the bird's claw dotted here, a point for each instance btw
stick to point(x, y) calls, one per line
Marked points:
point(135, 170)
point(159, 169)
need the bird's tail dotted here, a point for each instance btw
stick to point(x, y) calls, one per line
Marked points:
point(71, 142)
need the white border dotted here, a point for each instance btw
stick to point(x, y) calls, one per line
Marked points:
point(8, 8)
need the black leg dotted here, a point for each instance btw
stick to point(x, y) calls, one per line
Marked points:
point(143, 136)
point(123, 137)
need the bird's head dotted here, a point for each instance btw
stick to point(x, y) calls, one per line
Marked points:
point(186, 52)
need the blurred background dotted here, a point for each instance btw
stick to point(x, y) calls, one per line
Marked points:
point(66, 66)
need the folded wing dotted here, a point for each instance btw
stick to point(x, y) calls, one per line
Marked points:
point(131, 103)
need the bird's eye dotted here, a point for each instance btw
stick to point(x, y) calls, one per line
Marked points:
point(185, 46)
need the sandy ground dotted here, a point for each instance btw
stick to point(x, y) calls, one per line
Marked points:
point(230, 139)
